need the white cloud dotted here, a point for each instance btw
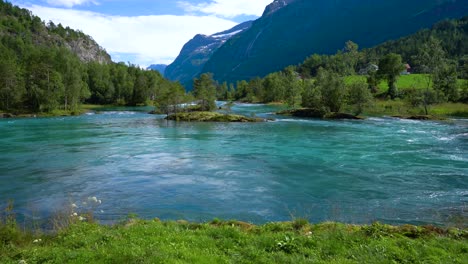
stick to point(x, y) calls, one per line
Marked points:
point(147, 39)
point(227, 8)
point(70, 3)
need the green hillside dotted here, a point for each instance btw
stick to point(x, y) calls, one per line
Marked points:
point(304, 27)
point(48, 68)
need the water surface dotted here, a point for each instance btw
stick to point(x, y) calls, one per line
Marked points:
point(385, 169)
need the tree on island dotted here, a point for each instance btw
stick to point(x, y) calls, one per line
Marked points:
point(390, 68)
point(169, 98)
point(294, 87)
point(204, 90)
point(332, 89)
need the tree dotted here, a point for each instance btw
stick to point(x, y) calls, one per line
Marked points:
point(390, 68)
point(222, 91)
point(441, 76)
point(445, 82)
point(332, 89)
point(351, 57)
point(204, 90)
point(359, 96)
point(293, 86)
point(170, 97)
point(311, 95)
point(274, 88)
point(11, 86)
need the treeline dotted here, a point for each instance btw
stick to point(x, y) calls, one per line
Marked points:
point(319, 82)
point(39, 73)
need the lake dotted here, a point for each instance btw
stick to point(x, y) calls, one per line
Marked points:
point(384, 169)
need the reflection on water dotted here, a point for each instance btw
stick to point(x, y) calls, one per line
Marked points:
point(355, 171)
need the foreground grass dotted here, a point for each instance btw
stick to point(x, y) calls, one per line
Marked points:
point(138, 241)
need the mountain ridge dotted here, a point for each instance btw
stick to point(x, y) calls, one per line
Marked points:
point(197, 51)
point(300, 28)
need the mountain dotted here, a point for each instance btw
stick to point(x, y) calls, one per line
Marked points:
point(45, 68)
point(291, 30)
point(16, 22)
point(161, 68)
point(197, 51)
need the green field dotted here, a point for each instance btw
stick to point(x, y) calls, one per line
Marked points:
point(138, 241)
point(415, 81)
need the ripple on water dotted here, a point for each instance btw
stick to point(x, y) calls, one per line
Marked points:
point(381, 168)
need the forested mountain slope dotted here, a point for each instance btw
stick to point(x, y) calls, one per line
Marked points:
point(291, 30)
point(47, 67)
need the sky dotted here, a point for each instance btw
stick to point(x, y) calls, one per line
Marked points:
point(145, 32)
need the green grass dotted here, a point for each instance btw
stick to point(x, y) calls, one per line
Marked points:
point(138, 241)
point(402, 108)
point(411, 81)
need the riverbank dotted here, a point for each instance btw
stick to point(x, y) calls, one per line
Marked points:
point(143, 241)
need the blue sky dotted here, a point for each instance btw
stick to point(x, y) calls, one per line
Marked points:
point(145, 32)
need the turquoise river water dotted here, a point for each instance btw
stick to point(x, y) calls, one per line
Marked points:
point(384, 169)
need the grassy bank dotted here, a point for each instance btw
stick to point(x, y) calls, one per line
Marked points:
point(138, 241)
point(400, 107)
point(411, 81)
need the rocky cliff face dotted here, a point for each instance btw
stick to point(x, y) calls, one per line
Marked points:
point(291, 30)
point(197, 52)
point(88, 50)
point(275, 6)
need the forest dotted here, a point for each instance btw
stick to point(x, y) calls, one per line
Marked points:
point(39, 72)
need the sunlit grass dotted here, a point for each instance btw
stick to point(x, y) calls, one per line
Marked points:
point(139, 241)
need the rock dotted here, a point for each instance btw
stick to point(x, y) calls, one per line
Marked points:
point(420, 117)
point(304, 112)
point(7, 115)
point(211, 117)
point(342, 116)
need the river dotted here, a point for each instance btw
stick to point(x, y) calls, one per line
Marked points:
point(380, 169)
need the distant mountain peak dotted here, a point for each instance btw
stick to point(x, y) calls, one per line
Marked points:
point(197, 51)
point(275, 6)
point(158, 67)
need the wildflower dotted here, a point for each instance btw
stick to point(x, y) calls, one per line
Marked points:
point(22, 262)
point(74, 215)
point(99, 202)
point(81, 218)
point(93, 199)
point(37, 240)
point(74, 205)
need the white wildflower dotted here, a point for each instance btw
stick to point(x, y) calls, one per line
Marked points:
point(93, 199)
point(99, 202)
point(74, 215)
point(37, 240)
point(74, 205)
point(81, 218)
point(22, 262)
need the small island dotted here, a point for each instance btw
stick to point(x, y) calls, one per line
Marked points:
point(315, 113)
point(206, 116)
